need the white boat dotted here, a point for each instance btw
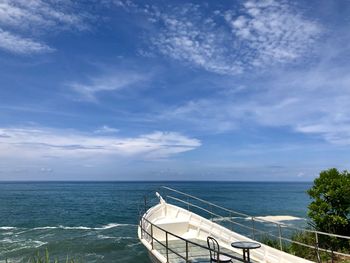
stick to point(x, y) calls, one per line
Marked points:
point(176, 234)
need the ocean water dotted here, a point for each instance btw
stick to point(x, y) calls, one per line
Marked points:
point(97, 221)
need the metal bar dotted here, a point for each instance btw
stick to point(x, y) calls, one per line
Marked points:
point(189, 241)
point(167, 246)
point(199, 199)
point(152, 236)
point(317, 249)
point(280, 236)
point(253, 226)
point(203, 209)
point(186, 251)
point(171, 250)
point(312, 247)
point(142, 233)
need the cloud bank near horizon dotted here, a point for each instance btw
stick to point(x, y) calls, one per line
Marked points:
point(36, 143)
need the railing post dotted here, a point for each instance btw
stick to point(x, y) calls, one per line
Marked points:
point(141, 226)
point(280, 236)
point(317, 248)
point(188, 203)
point(152, 236)
point(166, 247)
point(186, 251)
point(211, 212)
point(231, 218)
point(253, 227)
point(145, 202)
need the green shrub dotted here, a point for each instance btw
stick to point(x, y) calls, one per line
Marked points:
point(273, 242)
point(312, 253)
point(45, 258)
point(330, 208)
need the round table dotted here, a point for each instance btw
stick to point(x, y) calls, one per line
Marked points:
point(246, 246)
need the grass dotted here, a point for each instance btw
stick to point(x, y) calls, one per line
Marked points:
point(302, 251)
point(45, 258)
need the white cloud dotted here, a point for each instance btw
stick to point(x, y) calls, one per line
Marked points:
point(21, 22)
point(109, 82)
point(273, 32)
point(19, 45)
point(262, 33)
point(24, 14)
point(186, 34)
point(31, 143)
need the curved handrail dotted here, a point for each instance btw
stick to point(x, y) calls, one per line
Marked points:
point(181, 238)
point(279, 225)
point(257, 219)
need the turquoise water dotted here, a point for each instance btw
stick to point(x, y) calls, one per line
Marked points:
point(97, 222)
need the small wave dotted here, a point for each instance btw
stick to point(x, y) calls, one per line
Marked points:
point(27, 243)
point(36, 244)
point(39, 243)
point(279, 218)
point(134, 244)
point(108, 226)
point(7, 228)
point(104, 237)
point(7, 233)
point(111, 225)
point(74, 227)
point(116, 238)
point(7, 240)
point(226, 218)
point(45, 227)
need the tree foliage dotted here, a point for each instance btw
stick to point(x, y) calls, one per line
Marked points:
point(330, 208)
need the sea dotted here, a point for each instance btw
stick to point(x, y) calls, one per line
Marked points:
point(97, 221)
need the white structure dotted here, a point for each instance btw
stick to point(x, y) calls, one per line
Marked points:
point(174, 234)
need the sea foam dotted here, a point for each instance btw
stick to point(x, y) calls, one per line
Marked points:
point(108, 226)
point(7, 228)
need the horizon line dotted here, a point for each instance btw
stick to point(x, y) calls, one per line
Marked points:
point(148, 181)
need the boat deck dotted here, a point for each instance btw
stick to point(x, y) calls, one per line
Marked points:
point(196, 254)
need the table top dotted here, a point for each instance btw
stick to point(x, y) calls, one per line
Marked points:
point(245, 244)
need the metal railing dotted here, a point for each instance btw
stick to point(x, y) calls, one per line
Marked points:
point(149, 235)
point(254, 221)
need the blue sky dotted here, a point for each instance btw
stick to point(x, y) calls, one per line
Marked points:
point(173, 90)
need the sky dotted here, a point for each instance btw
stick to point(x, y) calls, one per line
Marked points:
point(174, 90)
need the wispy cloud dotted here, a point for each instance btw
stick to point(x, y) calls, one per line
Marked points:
point(108, 82)
point(272, 31)
point(21, 23)
point(313, 102)
point(43, 14)
point(20, 45)
point(188, 35)
point(261, 33)
point(31, 143)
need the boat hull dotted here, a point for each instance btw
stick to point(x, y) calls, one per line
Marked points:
point(166, 222)
point(153, 258)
